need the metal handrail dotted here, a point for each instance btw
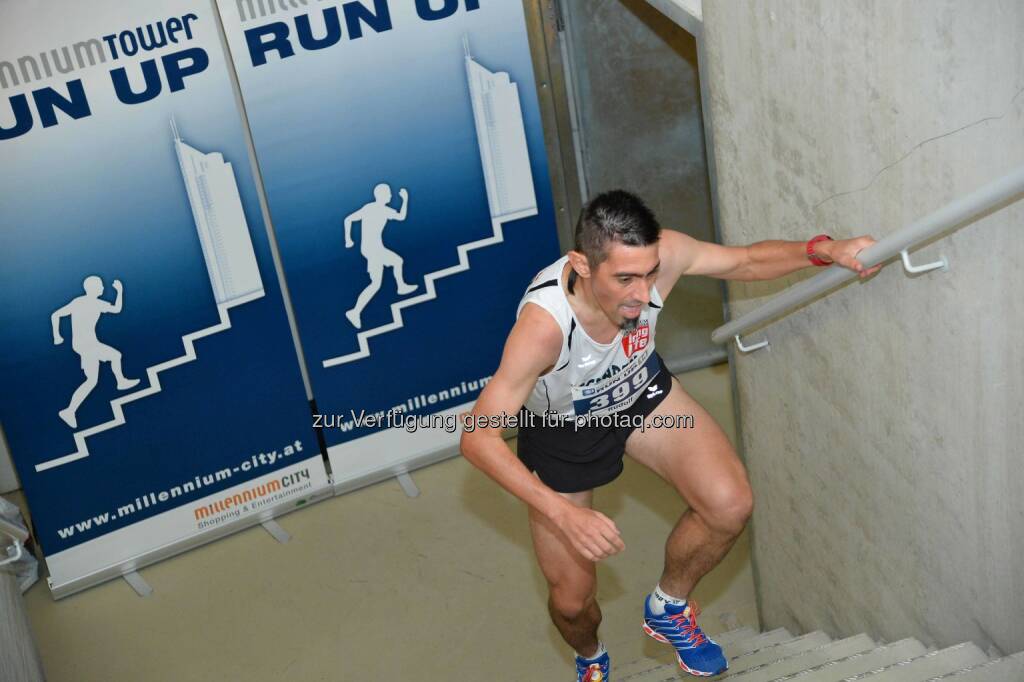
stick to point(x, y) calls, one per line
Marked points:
point(18, 536)
point(897, 243)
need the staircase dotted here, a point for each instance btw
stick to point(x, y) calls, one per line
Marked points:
point(778, 656)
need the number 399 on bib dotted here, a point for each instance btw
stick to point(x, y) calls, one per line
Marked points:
point(616, 392)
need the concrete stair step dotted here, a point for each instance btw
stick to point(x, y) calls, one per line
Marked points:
point(877, 658)
point(765, 650)
point(930, 665)
point(635, 670)
point(776, 656)
point(665, 673)
point(643, 665)
point(734, 636)
point(742, 648)
point(809, 659)
point(759, 641)
point(1006, 669)
point(774, 652)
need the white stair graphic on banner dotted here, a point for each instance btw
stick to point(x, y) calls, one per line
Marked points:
point(501, 137)
point(154, 387)
point(230, 263)
point(429, 295)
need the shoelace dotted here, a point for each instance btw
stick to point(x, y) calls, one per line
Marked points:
point(689, 627)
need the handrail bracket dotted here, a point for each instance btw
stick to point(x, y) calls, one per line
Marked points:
point(927, 267)
point(751, 348)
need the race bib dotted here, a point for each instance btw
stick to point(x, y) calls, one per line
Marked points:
point(616, 392)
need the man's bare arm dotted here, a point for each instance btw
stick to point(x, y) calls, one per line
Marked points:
point(681, 254)
point(532, 348)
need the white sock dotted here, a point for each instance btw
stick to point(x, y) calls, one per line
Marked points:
point(601, 651)
point(658, 599)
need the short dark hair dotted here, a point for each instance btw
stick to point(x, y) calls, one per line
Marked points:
point(615, 216)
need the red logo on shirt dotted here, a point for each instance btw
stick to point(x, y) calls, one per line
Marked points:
point(636, 340)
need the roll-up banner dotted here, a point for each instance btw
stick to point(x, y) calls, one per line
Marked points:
point(402, 153)
point(152, 397)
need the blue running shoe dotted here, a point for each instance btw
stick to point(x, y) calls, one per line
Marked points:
point(697, 654)
point(593, 670)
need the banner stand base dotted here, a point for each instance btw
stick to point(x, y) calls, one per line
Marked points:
point(408, 485)
point(138, 584)
point(275, 529)
point(62, 586)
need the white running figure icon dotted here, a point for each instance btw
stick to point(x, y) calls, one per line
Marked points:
point(374, 216)
point(85, 313)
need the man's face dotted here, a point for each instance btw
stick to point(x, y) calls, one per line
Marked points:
point(622, 282)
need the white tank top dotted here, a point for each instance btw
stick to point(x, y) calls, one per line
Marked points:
point(590, 377)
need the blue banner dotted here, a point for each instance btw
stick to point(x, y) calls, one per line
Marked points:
point(151, 389)
point(402, 153)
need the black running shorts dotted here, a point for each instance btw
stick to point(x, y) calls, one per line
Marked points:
point(571, 458)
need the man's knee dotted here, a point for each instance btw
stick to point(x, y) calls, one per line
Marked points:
point(729, 507)
point(571, 602)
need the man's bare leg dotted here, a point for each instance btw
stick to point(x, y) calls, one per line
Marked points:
point(572, 581)
point(691, 551)
point(702, 465)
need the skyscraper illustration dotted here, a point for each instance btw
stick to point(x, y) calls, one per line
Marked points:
point(220, 222)
point(502, 138)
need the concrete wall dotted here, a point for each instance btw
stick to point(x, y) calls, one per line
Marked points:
point(883, 430)
point(640, 115)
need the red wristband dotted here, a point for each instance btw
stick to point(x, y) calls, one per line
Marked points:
point(810, 250)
